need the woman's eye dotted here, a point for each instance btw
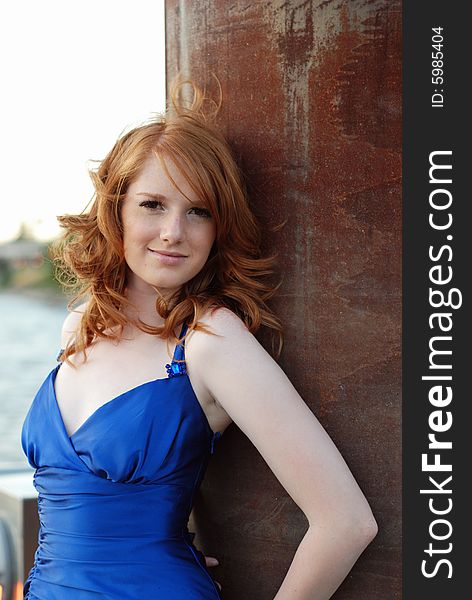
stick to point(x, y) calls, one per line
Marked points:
point(157, 204)
point(202, 212)
point(150, 203)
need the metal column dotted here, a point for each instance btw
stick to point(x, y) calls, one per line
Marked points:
point(312, 109)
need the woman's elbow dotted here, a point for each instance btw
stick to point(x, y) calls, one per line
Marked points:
point(368, 530)
point(358, 533)
point(363, 523)
point(360, 528)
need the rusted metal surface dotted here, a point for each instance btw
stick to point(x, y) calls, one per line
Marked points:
point(312, 108)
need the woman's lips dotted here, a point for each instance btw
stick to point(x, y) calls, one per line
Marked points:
point(165, 259)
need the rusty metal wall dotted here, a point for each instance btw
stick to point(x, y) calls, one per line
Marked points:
point(312, 108)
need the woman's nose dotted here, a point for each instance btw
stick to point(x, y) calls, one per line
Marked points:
point(172, 229)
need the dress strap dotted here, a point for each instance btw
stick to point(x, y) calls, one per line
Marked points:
point(179, 352)
point(178, 368)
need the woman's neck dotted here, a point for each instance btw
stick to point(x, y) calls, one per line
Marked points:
point(143, 306)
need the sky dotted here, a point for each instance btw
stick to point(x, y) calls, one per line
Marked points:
point(74, 76)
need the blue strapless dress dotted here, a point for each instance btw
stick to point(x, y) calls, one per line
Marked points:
point(114, 498)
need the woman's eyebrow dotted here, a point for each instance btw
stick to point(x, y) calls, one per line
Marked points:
point(151, 195)
point(157, 196)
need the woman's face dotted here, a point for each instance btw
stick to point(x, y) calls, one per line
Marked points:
point(166, 238)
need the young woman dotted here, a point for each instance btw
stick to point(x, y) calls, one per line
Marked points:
point(119, 434)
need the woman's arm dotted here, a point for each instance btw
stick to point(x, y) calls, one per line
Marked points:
point(257, 395)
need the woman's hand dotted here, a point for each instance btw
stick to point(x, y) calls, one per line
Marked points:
point(211, 561)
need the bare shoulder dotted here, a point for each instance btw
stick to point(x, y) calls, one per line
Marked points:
point(223, 323)
point(230, 343)
point(228, 335)
point(71, 323)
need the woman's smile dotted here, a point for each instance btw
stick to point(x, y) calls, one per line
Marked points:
point(167, 258)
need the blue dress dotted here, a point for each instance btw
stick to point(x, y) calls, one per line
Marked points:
point(115, 497)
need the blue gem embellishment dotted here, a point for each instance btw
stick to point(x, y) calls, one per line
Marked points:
point(175, 369)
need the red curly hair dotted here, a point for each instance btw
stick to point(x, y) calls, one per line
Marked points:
point(89, 257)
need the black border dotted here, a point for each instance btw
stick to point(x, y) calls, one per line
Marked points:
point(425, 130)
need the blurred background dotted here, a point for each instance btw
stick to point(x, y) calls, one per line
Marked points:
point(74, 76)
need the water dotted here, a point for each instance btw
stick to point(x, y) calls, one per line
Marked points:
point(30, 336)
